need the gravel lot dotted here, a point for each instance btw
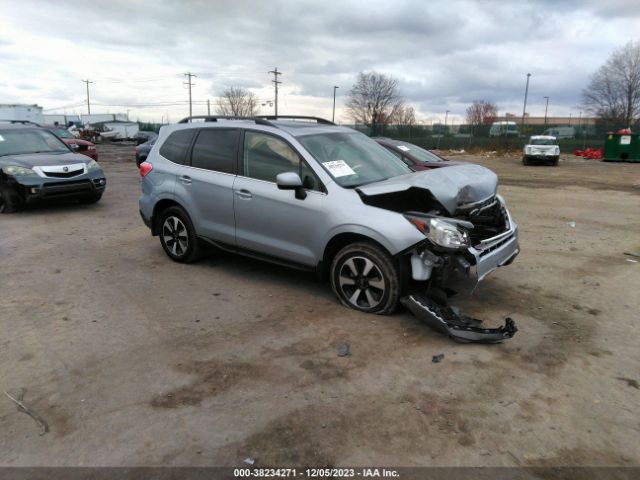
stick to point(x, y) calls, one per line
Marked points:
point(132, 359)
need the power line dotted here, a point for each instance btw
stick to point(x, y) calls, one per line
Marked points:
point(88, 102)
point(188, 82)
point(275, 83)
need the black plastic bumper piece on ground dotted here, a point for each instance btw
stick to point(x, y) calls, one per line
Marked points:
point(457, 326)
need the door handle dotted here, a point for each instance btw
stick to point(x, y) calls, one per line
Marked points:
point(244, 194)
point(185, 180)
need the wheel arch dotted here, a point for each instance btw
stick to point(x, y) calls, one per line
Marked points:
point(337, 243)
point(158, 208)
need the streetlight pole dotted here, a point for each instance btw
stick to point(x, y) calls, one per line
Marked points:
point(333, 116)
point(524, 108)
point(545, 113)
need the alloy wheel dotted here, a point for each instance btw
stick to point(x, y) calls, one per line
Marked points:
point(361, 282)
point(175, 237)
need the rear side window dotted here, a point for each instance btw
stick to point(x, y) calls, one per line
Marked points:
point(215, 149)
point(176, 145)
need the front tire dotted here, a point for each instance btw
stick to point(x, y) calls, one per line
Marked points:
point(365, 277)
point(178, 237)
point(525, 161)
point(8, 202)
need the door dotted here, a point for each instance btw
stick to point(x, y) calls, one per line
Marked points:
point(207, 182)
point(270, 221)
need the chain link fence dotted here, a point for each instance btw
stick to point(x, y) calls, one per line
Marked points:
point(480, 137)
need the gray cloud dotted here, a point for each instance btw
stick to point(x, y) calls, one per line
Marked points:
point(444, 53)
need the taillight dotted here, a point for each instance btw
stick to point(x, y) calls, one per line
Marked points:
point(145, 168)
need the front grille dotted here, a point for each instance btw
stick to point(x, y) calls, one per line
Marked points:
point(81, 148)
point(495, 246)
point(66, 188)
point(72, 173)
point(489, 219)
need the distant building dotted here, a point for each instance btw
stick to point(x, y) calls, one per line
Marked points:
point(569, 121)
point(104, 117)
point(20, 111)
point(62, 120)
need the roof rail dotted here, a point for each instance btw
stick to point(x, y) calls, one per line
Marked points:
point(215, 118)
point(23, 122)
point(297, 117)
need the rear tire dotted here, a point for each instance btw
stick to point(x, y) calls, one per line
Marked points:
point(178, 237)
point(365, 277)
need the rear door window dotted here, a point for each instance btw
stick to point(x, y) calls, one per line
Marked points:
point(216, 149)
point(176, 146)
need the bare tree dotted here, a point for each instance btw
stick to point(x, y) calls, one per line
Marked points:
point(613, 94)
point(237, 101)
point(374, 99)
point(404, 115)
point(481, 113)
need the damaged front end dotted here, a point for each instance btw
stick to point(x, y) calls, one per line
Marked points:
point(468, 232)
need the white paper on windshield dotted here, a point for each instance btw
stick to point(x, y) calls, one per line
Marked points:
point(403, 148)
point(625, 140)
point(1, 138)
point(339, 168)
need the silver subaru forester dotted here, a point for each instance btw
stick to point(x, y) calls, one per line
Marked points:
point(304, 192)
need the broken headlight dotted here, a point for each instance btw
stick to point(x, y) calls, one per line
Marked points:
point(440, 232)
point(16, 171)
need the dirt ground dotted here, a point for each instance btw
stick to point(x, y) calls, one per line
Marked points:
point(133, 359)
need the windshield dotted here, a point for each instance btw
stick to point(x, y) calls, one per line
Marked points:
point(542, 141)
point(19, 142)
point(352, 158)
point(62, 133)
point(419, 153)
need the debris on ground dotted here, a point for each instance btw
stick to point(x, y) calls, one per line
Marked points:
point(457, 326)
point(249, 461)
point(637, 255)
point(344, 350)
point(631, 260)
point(590, 153)
point(572, 224)
point(437, 358)
point(44, 426)
point(630, 381)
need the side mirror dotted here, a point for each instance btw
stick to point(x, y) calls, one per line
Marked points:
point(291, 181)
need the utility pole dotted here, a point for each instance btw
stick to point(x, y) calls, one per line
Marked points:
point(208, 107)
point(88, 102)
point(524, 109)
point(189, 84)
point(333, 116)
point(275, 83)
point(545, 112)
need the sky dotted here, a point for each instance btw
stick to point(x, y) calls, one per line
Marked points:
point(443, 54)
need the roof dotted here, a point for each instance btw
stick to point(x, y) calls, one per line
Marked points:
point(296, 128)
point(543, 137)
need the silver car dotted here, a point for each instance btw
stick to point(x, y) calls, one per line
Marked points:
point(304, 192)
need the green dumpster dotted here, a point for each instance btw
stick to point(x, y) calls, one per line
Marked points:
point(622, 147)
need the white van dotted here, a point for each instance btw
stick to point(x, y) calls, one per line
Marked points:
point(560, 132)
point(504, 129)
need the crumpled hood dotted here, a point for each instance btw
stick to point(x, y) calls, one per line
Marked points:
point(453, 186)
point(30, 160)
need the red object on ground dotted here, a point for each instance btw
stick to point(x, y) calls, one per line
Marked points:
point(590, 153)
